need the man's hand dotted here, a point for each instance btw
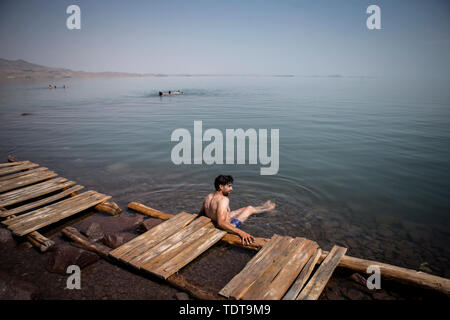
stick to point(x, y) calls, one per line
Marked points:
point(246, 238)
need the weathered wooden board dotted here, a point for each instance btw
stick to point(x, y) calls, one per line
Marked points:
point(246, 277)
point(37, 190)
point(169, 246)
point(257, 288)
point(269, 274)
point(25, 180)
point(152, 237)
point(276, 280)
point(297, 286)
point(10, 164)
point(191, 252)
point(42, 217)
point(317, 283)
point(22, 173)
point(176, 249)
point(42, 213)
point(16, 168)
point(41, 202)
point(174, 240)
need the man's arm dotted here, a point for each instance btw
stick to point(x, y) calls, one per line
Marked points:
point(223, 223)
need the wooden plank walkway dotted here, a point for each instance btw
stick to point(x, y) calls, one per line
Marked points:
point(32, 197)
point(281, 269)
point(169, 246)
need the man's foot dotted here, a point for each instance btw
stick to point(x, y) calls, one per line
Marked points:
point(267, 206)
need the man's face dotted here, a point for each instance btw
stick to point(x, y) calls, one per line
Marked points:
point(226, 189)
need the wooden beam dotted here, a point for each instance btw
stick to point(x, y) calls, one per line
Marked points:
point(35, 238)
point(389, 272)
point(109, 207)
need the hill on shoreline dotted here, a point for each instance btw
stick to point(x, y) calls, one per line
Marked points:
point(21, 69)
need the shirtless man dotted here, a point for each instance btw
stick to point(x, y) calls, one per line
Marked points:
point(216, 206)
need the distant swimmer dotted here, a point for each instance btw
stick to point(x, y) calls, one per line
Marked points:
point(50, 86)
point(169, 93)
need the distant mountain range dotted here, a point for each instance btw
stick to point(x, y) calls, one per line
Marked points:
point(21, 69)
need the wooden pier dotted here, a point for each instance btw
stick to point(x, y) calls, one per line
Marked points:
point(282, 262)
point(33, 197)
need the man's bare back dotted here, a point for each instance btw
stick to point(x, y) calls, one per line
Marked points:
point(212, 202)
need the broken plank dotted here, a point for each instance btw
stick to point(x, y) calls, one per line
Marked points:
point(17, 168)
point(185, 257)
point(258, 268)
point(22, 173)
point(152, 237)
point(175, 239)
point(295, 289)
point(34, 191)
point(247, 271)
point(43, 213)
point(319, 280)
point(41, 202)
point(164, 256)
point(291, 268)
point(9, 164)
point(26, 180)
point(57, 217)
point(258, 289)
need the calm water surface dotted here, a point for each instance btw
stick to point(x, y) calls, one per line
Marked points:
point(367, 157)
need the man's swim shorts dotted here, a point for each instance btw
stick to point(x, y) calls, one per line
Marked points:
point(237, 223)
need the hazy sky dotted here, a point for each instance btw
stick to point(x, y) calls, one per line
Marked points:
point(265, 37)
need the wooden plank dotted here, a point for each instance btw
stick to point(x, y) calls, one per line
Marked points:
point(260, 287)
point(176, 249)
point(295, 289)
point(152, 237)
point(175, 239)
point(192, 252)
point(291, 267)
point(260, 267)
point(34, 191)
point(247, 271)
point(9, 164)
point(60, 210)
point(42, 213)
point(41, 202)
point(116, 253)
point(62, 214)
point(319, 280)
point(22, 173)
point(26, 180)
point(17, 168)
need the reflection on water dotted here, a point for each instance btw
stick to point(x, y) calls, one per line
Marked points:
point(363, 162)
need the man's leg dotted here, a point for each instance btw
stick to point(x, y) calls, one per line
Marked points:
point(244, 213)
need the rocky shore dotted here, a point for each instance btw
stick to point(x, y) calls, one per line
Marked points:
point(27, 274)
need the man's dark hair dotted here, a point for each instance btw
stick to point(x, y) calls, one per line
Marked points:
point(222, 180)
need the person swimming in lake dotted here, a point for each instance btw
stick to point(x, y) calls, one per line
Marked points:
point(169, 93)
point(216, 207)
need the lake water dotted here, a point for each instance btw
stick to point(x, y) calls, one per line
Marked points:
point(363, 162)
